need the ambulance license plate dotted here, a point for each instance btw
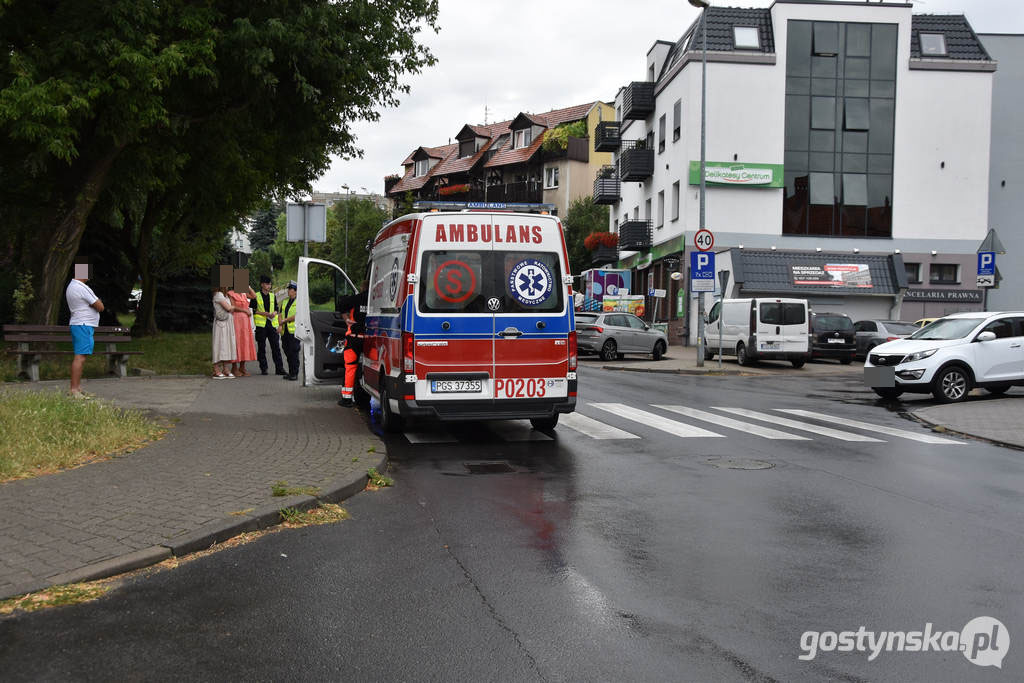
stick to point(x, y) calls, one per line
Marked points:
point(456, 386)
point(836, 341)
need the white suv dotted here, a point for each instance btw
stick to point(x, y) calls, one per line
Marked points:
point(950, 356)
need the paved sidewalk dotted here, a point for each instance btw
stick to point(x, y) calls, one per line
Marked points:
point(207, 480)
point(996, 418)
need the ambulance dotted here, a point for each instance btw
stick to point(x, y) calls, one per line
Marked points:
point(469, 317)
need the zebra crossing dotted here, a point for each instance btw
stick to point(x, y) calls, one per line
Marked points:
point(685, 422)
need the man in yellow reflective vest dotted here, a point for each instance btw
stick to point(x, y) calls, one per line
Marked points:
point(264, 316)
point(287, 328)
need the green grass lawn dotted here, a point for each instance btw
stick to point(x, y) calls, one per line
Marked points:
point(169, 353)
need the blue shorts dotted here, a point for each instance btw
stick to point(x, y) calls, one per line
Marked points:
point(81, 336)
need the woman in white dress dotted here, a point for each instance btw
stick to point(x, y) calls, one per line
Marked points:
point(223, 333)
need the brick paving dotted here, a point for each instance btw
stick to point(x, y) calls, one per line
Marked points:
point(995, 418)
point(233, 440)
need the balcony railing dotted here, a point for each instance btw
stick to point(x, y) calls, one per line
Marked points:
point(529, 192)
point(635, 235)
point(604, 255)
point(607, 136)
point(638, 100)
point(636, 162)
point(607, 186)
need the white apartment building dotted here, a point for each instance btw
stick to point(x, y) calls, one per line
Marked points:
point(841, 137)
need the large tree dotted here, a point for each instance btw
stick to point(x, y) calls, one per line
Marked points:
point(90, 89)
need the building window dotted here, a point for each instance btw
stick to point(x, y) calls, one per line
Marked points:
point(677, 119)
point(661, 134)
point(839, 129)
point(422, 166)
point(745, 38)
point(650, 140)
point(636, 213)
point(647, 210)
point(551, 178)
point(524, 138)
point(943, 274)
point(661, 208)
point(675, 200)
point(913, 273)
point(467, 148)
point(933, 44)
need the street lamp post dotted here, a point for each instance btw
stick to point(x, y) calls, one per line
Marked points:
point(702, 5)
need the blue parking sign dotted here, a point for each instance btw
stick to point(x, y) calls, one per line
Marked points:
point(702, 271)
point(986, 263)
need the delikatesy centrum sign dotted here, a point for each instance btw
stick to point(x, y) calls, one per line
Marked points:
point(734, 174)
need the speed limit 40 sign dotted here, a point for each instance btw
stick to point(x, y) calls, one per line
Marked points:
point(704, 240)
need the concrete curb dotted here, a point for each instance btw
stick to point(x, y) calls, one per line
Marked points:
point(116, 565)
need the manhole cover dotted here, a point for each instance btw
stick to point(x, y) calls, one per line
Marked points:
point(494, 467)
point(740, 464)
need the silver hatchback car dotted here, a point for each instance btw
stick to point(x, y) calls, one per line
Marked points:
point(613, 334)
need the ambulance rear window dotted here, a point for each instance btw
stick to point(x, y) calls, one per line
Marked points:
point(467, 281)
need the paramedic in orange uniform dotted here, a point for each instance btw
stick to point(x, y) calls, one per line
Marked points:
point(353, 312)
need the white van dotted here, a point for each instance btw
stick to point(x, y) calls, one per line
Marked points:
point(759, 329)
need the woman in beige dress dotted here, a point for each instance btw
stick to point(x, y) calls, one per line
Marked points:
point(224, 349)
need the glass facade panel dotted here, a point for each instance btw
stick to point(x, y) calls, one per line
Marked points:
point(855, 189)
point(883, 88)
point(857, 67)
point(855, 114)
point(855, 163)
point(855, 142)
point(798, 121)
point(794, 160)
point(826, 38)
point(822, 189)
point(798, 86)
point(794, 204)
point(798, 48)
point(852, 221)
point(822, 161)
point(823, 113)
point(823, 141)
point(823, 67)
point(882, 114)
point(879, 205)
point(823, 86)
point(883, 51)
point(880, 163)
point(858, 40)
point(855, 88)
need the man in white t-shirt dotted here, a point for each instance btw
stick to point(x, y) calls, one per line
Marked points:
point(85, 317)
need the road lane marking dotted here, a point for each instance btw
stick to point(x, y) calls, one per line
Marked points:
point(723, 421)
point(656, 421)
point(802, 426)
point(881, 429)
point(595, 429)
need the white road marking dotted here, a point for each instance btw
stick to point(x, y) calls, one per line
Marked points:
point(880, 429)
point(802, 426)
point(747, 427)
point(656, 421)
point(595, 429)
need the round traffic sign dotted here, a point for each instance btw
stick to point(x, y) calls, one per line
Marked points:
point(704, 240)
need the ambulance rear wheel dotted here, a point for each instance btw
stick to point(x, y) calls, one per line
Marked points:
point(544, 424)
point(390, 421)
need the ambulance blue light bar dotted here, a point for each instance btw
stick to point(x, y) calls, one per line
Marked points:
point(484, 206)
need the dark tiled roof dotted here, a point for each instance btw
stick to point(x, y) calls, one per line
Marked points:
point(961, 40)
point(769, 272)
point(450, 163)
point(721, 21)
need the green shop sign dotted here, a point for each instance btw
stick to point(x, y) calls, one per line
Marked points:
point(735, 174)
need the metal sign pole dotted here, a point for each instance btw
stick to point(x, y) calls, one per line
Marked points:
point(703, 170)
point(305, 230)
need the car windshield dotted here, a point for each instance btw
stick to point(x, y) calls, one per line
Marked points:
point(585, 318)
point(832, 322)
point(899, 327)
point(947, 328)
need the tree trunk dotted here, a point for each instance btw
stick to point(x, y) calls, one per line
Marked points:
point(145, 316)
point(60, 244)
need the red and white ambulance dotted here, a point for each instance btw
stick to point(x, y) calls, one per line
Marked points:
point(469, 317)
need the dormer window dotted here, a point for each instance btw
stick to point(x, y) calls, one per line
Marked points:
point(524, 138)
point(933, 45)
point(422, 166)
point(467, 148)
point(745, 38)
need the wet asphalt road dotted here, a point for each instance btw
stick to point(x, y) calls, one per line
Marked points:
point(624, 559)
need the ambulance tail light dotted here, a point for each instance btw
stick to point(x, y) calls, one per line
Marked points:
point(408, 360)
point(572, 351)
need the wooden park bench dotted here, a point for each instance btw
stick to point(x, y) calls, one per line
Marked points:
point(35, 341)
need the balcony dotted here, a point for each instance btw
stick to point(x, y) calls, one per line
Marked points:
point(607, 136)
point(528, 192)
point(603, 255)
point(635, 235)
point(638, 100)
point(607, 186)
point(636, 162)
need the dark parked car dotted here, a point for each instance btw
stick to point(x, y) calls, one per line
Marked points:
point(871, 333)
point(614, 333)
point(832, 336)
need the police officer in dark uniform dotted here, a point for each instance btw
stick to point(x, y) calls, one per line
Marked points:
point(288, 340)
point(264, 307)
point(353, 313)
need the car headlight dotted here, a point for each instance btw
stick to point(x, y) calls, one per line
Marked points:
point(920, 355)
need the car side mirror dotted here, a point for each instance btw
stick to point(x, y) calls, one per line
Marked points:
point(646, 326)
point(986, 336)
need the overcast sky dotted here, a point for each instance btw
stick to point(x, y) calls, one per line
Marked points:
point(508, 56)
